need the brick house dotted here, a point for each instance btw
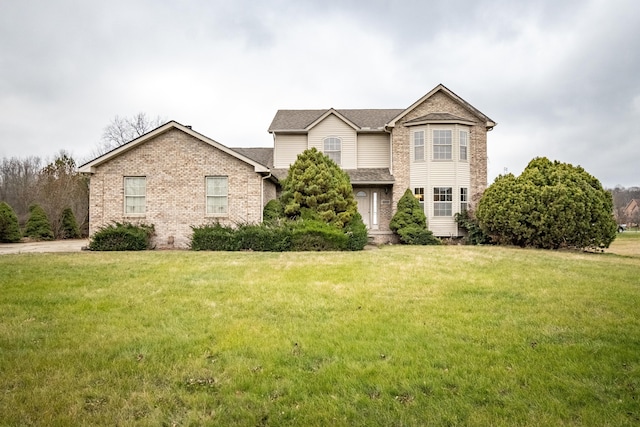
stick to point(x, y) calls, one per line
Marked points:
point(174, 177)
point(631, 212)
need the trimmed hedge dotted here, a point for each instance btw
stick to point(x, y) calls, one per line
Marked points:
point(301, 235)
point(122, 237)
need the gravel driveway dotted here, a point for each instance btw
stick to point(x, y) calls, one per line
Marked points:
point(41, 247)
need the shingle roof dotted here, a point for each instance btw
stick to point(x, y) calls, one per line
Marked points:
point(292, 120)
point(262, 155)
point(357, 176)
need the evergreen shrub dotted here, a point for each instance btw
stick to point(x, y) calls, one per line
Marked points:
point(69, 225)
point(410, 222)
point(214, 237)
point(38, 226)
point(9, 227)
point(122, 237)
point(314, 235)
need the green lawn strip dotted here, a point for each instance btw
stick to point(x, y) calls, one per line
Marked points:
point(397, 336)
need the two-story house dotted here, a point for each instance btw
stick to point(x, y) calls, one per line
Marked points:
point(174, 177)
point(437, 148)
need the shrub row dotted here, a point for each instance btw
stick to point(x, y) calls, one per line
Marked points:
point(122, 237)
point(301, 235)
point(37, 226)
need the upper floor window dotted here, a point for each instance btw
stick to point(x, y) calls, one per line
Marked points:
point(418, 145)
point(464, 143)
point(442, 144)
point(442, 201)
point(135, 194)
point(333, 149)
point(217, 194)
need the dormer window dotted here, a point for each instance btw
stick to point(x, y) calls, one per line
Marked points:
point(333, 149)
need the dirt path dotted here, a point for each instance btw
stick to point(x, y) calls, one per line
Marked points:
point(41, 247)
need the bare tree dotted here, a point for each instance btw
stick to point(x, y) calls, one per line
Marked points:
point(61, 186)
point(19, 184)
point(124, 129)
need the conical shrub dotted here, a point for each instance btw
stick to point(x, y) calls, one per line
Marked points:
point(38, 226)
point(9, 227)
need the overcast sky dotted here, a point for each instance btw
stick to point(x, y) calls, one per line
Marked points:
point(560, 77)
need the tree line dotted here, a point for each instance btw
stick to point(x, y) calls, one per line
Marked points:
point(54, 187)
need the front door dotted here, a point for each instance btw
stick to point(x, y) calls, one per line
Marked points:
point(368, 207)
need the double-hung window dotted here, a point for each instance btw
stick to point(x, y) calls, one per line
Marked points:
point(418, 192)
point(333, 149)
point(418, 145)
point(135, 195)
point(442, 201)
point(217, 195)
point(442, 144)
point(464, 144)
point(464, 199)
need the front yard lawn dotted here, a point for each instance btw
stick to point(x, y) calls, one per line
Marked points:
point(445, 335)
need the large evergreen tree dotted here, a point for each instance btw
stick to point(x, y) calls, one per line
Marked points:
point(316, 183)
point(550, 205)
point(9, 227)
point(69, 225)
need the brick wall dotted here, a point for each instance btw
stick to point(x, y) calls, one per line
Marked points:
point(175, 165)
point(439, 103)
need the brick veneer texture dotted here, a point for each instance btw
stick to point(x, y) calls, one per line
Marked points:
point(175, 165)
point(400, 139)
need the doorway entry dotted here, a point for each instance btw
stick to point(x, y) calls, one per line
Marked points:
point(368, 207)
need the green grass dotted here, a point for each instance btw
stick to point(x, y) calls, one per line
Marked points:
point(400, 336)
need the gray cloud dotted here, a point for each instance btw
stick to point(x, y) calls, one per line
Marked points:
point(561, 79)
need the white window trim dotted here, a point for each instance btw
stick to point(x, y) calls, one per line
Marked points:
point(416, 157)
point(466, 145)
point(450, 144)
point(448, 204)
point(219, 196)
point(332, 153)
point(134, 196)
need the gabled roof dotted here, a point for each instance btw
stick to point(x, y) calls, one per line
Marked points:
point(441, 88)
point(632, 205)
point(302, 120)
point(89, 167)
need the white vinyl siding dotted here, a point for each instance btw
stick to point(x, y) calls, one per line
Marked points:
point(135, 195)
point(217, 195)
point(373, 150)
point(432, 173)
point(332, 126)
point(286, 149)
